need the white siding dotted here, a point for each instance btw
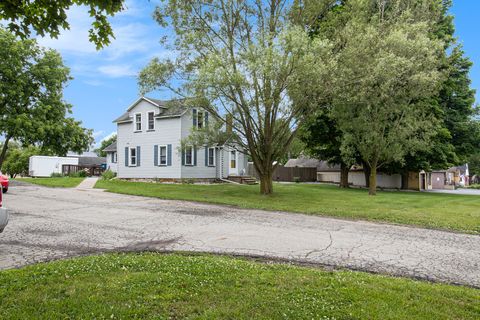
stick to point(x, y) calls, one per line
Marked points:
point(111, 165)
point(167, 131)
point(200, 170)
point(358, 179)
point(44, 166)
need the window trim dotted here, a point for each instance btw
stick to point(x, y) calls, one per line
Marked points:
point(202, 113)
point(214, 156)
point(130, 163)
point(197, 116)
point(160, 155)
point(191, 155)
point(233, 160)
point(115, 157)
point(148, 120)
point(135, 122)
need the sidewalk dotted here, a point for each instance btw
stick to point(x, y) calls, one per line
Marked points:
point(88, 183)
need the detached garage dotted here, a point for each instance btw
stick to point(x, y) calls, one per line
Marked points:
point(44, 166)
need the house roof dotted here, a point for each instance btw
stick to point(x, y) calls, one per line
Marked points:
point(91, 161)
point(111, 147)
point(175, 108)
point(166, 109)
point(304, 162)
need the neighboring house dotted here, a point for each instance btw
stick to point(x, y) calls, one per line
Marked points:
point(45, 166)
point(149, 136)
point(356, 177)
point(437, 179)
point(112, 156)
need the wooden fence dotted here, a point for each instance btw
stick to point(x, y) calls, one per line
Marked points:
point(291, 174)
point(68, 169)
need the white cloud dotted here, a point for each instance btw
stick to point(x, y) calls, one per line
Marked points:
point(108, 136)
point(117, 71)
point(97, 134)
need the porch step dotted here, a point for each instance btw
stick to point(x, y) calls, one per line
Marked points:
point(243, 179)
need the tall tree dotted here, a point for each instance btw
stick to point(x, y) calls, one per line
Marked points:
point(32, 108)
point(242, 59)
point(387, 68)
point(48, 17)
point(323, 140)
point(457, 133)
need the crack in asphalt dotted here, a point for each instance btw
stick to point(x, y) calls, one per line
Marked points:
point(50, 224)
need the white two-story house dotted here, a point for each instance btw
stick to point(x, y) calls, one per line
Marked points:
point(148, 145)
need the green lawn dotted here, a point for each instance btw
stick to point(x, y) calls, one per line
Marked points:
point(443, 211)
point(61, 182)
point(178, 286)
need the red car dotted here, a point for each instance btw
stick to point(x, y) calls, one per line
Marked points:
point(4, 182)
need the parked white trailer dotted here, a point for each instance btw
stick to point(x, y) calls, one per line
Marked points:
point(44, 166)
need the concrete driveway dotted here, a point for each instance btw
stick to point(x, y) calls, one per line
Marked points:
point(56, 223)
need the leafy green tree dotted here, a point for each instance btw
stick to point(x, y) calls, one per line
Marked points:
point(388, 65)
point(323, 140)
point(474, 164)
point(103, 144)
point(244, 60)
point(32, 108)
point(457, 133)
point(18, 160)
point(48, 17)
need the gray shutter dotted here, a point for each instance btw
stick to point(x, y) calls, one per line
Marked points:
point(206, 156)
point(206, 119)
point(194, 156)
point(194, 115)
point(183, 157)
point(169, 155)
point(113, 157)
point(126, 156)
point(138, 156)
point(155, 155)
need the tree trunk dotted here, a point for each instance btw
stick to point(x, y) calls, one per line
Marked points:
point(4, 151)
point(404, 180)
point(372, 188)
point(266, 184)
point(344, 169)
point(367, 173)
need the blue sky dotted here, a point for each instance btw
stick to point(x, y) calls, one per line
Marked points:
point(105, 81)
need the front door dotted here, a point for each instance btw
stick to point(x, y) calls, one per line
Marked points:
point(233, 165)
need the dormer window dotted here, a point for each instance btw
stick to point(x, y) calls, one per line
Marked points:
point(138, 122)
point(151, 120)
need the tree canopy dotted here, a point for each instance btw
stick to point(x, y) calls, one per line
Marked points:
point(32, 108)
point(103, 144)
point(387, 70)
point(243, 60)
point(48, 17)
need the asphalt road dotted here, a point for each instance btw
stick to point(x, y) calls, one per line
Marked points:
point(50, 224)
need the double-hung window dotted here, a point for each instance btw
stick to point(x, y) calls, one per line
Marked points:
point(211, 157)
point(114, 157)
point(133, 157)
point(151, 120)
point(162, 155)
point(200, 119)
point(189, 155)
point(138, 122)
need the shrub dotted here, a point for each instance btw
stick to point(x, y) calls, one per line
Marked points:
point(56, 175)
point(296, 179)
point(78, 174)
point(108, 175)
point(188, 181)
